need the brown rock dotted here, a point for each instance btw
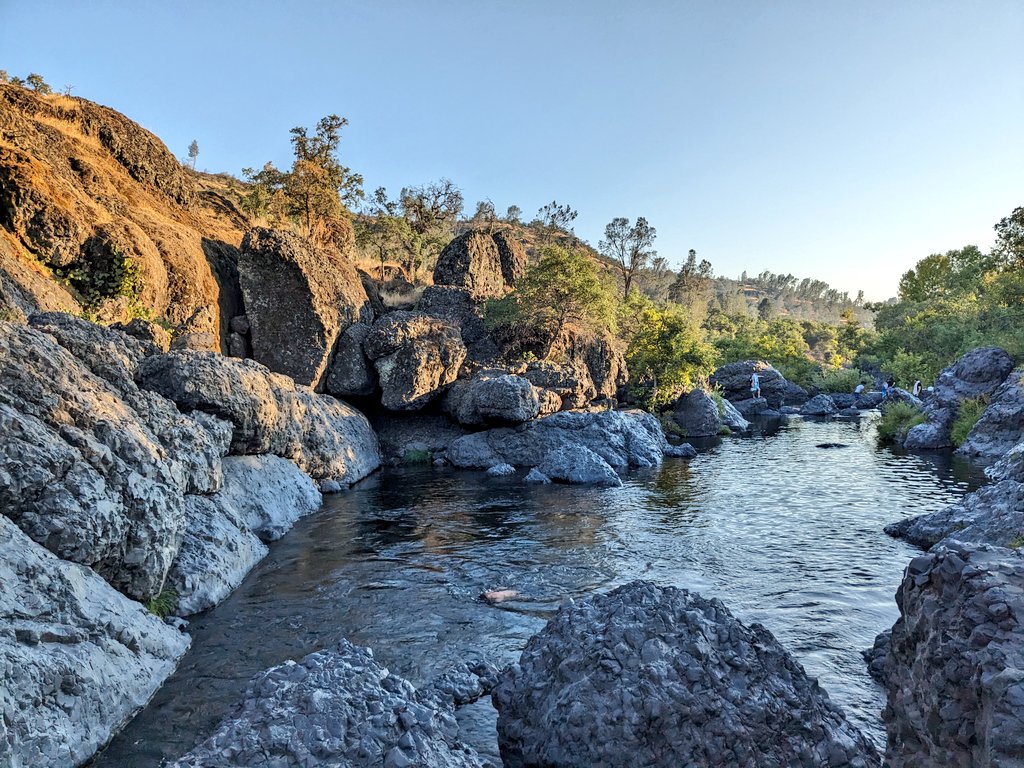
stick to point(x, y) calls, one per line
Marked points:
point(486, 264)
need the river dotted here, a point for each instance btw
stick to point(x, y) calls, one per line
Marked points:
point(786, 533)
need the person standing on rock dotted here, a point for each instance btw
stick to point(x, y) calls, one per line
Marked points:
point(917, 388)
point(755, 385)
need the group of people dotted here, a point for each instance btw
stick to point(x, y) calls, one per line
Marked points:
point(887, 386)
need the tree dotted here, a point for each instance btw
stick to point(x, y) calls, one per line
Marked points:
point(562, 288)
point(431, 212)
point(383, 229)
point(764, 309)
point(1009, 247)
point(265, 197)
point(18, 82)
point(485, 215)
point(693, 283)
point(629, 246)
point(514, 215)
point(193, 152)
point(555, 219)
point(37, 84)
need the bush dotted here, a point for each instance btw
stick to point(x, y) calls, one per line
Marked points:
point(968, 415)
point(839, 380)
point(413, 457)
point(162, 604)
point(897, 419)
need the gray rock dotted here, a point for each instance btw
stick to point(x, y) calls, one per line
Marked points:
point(340, 708)
point(843, 400)
point(457, 306)
point(579, 465)
point(734, 381)
point(147, 332)
point(697, 414)
point(326, 438)
point(752, 407)
point(622, 438)
point(536, 476)
point(399, 432)
point(416, 358)
point(240, 324)
point(866, 401)
point(77, 658)
point(654, 676)
point(570, 382)
point(732, 418)
point(954, 678)
point(595, 360)
point(681, 451)
point(492, 398)
point(486, 264)
point(819, 405)
point(298, 299)
point(978, 373)
point(877, 655)
point(269, 493)
point(1001, 426)
point(501, 470)
point(351, 374)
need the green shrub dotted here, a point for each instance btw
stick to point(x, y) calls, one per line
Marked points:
point(719, 401)
point(115, 277)
point(669, 425)
point(897, 419)
point(162, 604)
point(967, 417)
point(416, 457)
point(839, 380)
point(7, 315)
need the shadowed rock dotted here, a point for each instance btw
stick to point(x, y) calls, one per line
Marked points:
point(486, 264)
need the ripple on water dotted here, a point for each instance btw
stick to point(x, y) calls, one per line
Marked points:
point(785, 533)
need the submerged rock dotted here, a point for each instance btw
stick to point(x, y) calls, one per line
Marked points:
point(340, 707)
point(654, 676)
point(77, 658)
point(501, 470)
point(578, 464)
point(537, 477)
point(955, 670)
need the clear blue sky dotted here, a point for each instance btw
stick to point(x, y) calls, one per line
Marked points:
point(837, 140)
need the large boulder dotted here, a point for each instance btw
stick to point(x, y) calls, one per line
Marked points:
point(492, 397)
point(340, 707)
point(622, 438)
point(697, 414)
point(298, 299)
point(416, 358)
point(458, 307)
point(351, 374)
point(92, 467)
point(599, 357)
point(576, 464)
point(733, 380)
point(1001, 426)
point(955, 668)
point(654, 676)
point(269, 493)
point(77, 658)
point(819, 405)
point(977, 374)
point(327, 439)
point(731, 416)
point(487, 264)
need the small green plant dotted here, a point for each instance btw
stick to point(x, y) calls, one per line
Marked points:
point(162, 604)
point(719, 401)
point(968, 415)
point(897, 419)
point(118, 276)
point(7, 315)
point(416, 457)
point(1016, 542)
point(839, 380)
point(724, 430)
point(669, 425)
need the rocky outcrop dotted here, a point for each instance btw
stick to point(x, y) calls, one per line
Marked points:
point(733, 380)
point(340, 707)
point(268, 492)
point(351, 373)
point(77, 658)
point(492, 397)
point(401, 434)
point(457, 306)
point(819, 405)
point(596, 359)
point(955, 669)
point(866, 401)
point(578, 465)
point(623, 439)
point(486, 264)
point(654, 676)
point(1001, 426)
point(697, 414)
point(416, 358)
point(298, 300)
point(977, 374)
point(327, 439)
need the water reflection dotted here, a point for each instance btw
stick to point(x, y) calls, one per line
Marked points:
point(785, 533)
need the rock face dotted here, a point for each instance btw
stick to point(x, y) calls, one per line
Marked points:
point(697, 414)
point(595, 360)
point(298, 300)
point(77, 658)
point(269, 494)
point(340, 707)
point(492, 398)
point(351, 373)
point(457, 306)
point(1001, 426)
point(623, 439)
point(976, 374)
point(656, 676)
point(579, 465)
point(416, 358)
point(487, 265)
point(326, 438)
point(734, 381)
point(819, 405)
point(955, 669)
point(401, 433)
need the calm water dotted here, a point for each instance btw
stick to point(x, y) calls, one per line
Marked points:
point(785, 533)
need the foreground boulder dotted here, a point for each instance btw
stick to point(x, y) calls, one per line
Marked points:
point(654, 676)
point(819, 405)
point(77, 658)
point(734, 381)
point(340, 707)
point(977, 374)
point(623, 439)
point(416, 358)
point(298, 299)
point(697, 414)
point(492, 398)
point(486, 264)
point(955, 669)
point(1001, 426)
point(576, 464)
point(327, 439)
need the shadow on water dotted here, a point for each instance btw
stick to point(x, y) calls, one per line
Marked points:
point(785, 533)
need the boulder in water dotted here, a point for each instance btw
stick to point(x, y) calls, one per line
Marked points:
point(819, 405)
point(578, 464)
